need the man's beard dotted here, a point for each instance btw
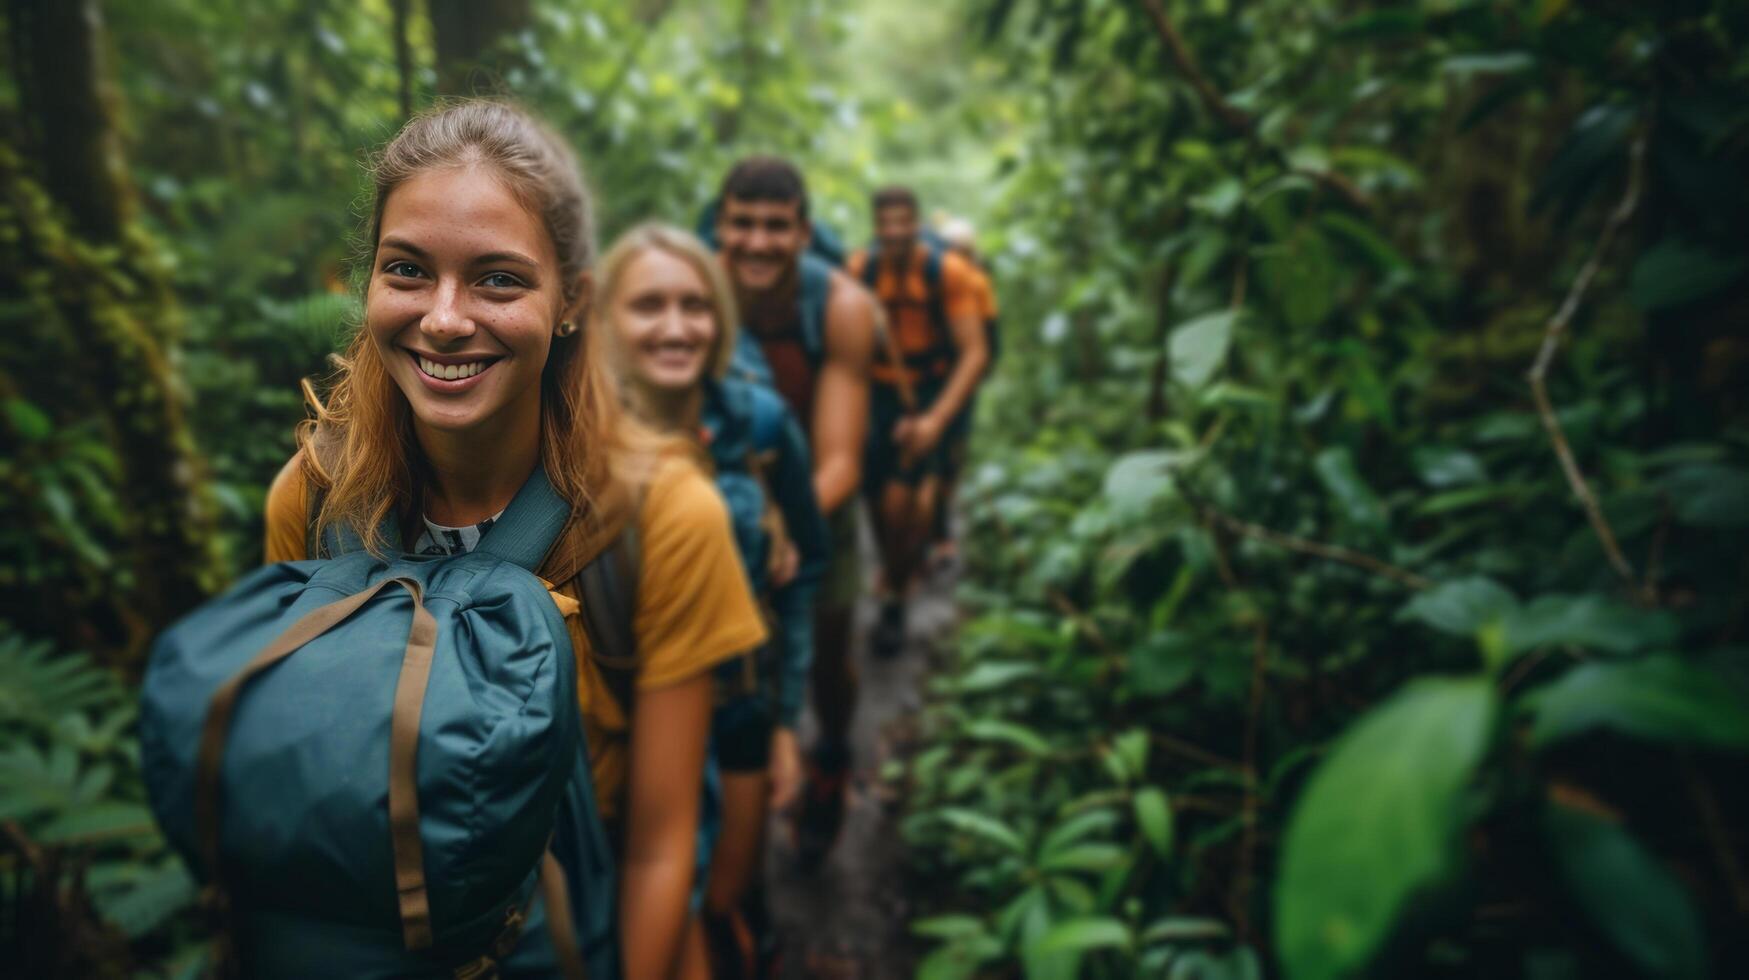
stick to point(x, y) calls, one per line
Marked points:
point(773, 307)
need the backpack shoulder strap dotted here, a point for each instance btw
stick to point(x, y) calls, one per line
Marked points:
point(767, 415)
point(871, 267)
point(531, 522)
point(608, 587)
point(932, 260)
point(816, 290)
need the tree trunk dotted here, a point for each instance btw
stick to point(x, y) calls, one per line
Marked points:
point(61, 73)
point(467, 33)
point(403, 55)
point(118, 555)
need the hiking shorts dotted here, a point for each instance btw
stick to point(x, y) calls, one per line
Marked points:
point(881, 464)
point(741, 734)
point(842, 584)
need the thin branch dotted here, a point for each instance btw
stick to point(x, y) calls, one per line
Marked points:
point(1197, 752)
point(1344, 188)
point(1317, 549)
point(1552, 337)
point(1235, 118)
point(403, 56)
point(1082, 621)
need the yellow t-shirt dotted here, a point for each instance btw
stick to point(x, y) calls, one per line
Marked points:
point(695, 608)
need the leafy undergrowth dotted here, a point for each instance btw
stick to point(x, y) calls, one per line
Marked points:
point(92, 889)
point(1294, 646)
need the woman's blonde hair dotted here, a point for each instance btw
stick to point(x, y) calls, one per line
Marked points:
point(359, 449)
point(683, 245)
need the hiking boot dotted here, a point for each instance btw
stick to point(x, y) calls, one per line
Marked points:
point(888, 639)
point(821, 813)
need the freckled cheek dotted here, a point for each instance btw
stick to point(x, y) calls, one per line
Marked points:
point(387, 313)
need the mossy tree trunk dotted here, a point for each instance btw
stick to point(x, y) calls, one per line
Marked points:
point(108, 504)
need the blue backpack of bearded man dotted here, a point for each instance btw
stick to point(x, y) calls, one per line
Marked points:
point(376, 767)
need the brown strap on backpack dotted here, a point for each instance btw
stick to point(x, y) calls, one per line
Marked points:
point(415, 673)
point(608, 589)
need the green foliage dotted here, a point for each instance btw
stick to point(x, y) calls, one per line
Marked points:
point(70, 784)
point(1260, 459)
point(1630, 899)
point(1658, 698)
point(1378, 822)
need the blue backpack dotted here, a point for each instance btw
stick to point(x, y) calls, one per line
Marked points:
point(740, 462)
point(376, 765)
point(748, 363)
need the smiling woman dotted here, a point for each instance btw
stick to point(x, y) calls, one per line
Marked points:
point(469, 379)
point(463, 301)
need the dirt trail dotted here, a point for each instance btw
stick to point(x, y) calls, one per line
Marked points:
point(848, 920)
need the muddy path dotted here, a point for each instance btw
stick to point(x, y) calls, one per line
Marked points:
point(848, 919)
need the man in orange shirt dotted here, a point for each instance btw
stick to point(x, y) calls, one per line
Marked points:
point(936, 355)
point(961, 238)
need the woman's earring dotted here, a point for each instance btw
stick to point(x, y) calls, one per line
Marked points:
point(567, 328)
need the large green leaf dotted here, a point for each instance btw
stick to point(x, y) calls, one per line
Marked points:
point(1462, 607)
point(993, 675)
point(167, 890)
point(1084, 857)
point(1634, 903)
point(1161, 664)
point(1661, 698)
point(1673, 273)
point(1597, 140)
point(1082, 935)
point(959, 960)
point(1008, 732)
point(1443, 467)
point(983, 826)
point(1588, 621)
point(1379, 822)
point(30, 422)
point(1197, 347)
point(1137, 480)
point(1154, 817)
point(1709, 495)
point(39, 686)
point(1077, 828)
point(1355, 500)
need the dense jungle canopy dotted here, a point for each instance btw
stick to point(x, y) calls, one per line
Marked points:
point(1356, 544)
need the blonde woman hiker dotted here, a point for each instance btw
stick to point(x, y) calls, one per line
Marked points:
point(665, 301)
